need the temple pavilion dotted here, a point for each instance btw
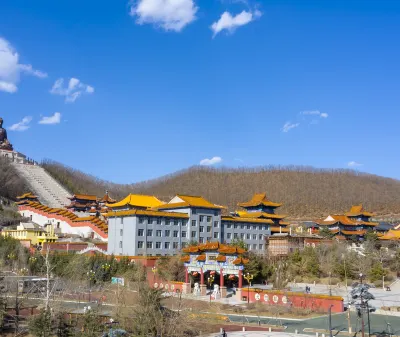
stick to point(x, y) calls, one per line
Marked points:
point(260, 210)
point(90, 203)
point(213, 263)
point(356, 222)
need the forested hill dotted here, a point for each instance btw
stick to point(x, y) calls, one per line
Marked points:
point(305, 192)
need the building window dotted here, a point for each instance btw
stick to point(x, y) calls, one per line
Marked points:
point(176, 222)
point(149, 232)
point(201, 218)
point(121, 232)
point(184, 223)
point(120, 244)
point(175, 245)
point(254, 246)
point(254, 236)
point(241, 235)
point(166, 245)
point(209, 219)
point(242, 226)
point(229, 225)
point(183, 234)
point(140, 244)
point(208, 229)
point(158, 232)
point(141, 220)
point(167, 233)
point(255, 227)
point(260, 247)
point(216, 223)
point(158, 221)
point(201, 240)
point(260, 236)
point(150, 244)
point(235, 226)
point(194, 234)
point(175, 234)
point(183, 244)
point(149, 221)
point(216, 235)
point(172, 222)
point(193, 211)
point(193, 222)
point(209, 239)
point(235, 235)
point(248, 236)
point(265, 228)
point(158, 245)
point(201, 229)
point(140, 232)
point(248, 226)
point(229, 235)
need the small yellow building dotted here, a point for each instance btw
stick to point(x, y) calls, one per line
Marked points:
point(34, 233)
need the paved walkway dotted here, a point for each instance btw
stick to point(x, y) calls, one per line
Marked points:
point(259, 334)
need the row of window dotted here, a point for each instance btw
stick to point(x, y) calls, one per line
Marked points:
point(242, 226)
point(194, 222)
point(175, 245)
point(158, 221)
point(248, 236)
point(149, 245)
point(167, 233)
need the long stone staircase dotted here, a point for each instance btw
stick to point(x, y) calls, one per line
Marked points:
point(48, 190)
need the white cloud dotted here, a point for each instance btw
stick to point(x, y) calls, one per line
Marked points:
point(22, 125)
point(10, 69)
point(315, 113)
point(55, 119)
point(354, 164)
point(212, 161)
point(289, 126)
point(171, 15)
point(230, 23)
point(27, 68)
point(72, 91)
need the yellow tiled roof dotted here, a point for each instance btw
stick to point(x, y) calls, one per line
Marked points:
point(28, 195)
point(190, 201)
point(259, 199)
point(260, 215)
point(391, 235)
point(84, 197)
point(137, 200)
point(358, 210)
point(250, 220)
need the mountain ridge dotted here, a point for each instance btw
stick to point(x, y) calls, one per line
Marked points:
point(305, 192)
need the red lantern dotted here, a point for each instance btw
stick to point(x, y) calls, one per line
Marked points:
point(195, 273)
point(212, 272)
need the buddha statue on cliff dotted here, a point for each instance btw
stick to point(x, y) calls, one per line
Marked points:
point(4, 143)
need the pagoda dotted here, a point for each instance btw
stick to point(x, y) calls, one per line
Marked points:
point(357, 222)
point(261, 209)
point(82, 202)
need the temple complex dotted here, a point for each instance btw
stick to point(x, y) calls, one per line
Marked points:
point(354, 223)
point(90, 203)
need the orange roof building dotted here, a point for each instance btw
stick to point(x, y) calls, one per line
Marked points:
point(26, 197)
point(354, 223)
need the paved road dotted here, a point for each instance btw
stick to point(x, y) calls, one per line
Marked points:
point(339, 322)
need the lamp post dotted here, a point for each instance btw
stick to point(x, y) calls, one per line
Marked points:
point(330, 320)
point(90, 275)
point(248, 278)
point(210, 281)
point(154, 270)
point(362, 307)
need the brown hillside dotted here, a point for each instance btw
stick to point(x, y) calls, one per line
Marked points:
point(305, 192)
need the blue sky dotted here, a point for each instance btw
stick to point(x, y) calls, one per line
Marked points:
point(160, 85)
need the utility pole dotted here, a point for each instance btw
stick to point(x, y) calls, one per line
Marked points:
point(362, 311)
point(330, 320)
